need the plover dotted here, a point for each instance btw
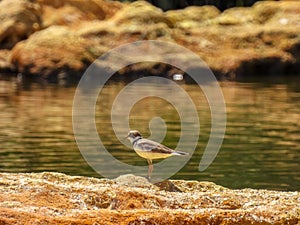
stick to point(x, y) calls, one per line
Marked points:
point(150, 149)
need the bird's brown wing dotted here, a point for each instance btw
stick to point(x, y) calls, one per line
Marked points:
point(152, 146)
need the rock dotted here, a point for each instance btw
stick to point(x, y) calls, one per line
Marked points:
point(280, 14)
point(5, 65)
point(140, 13)
point(167, 185)
point(54, 53)
point(66, 15)
point(19, 19)
point(54, 198)
point(235, 16)
point(133, 181)
point(259, 40)
point(73, 12)
point(262, 13)
point(192, 16)
point(257, 43)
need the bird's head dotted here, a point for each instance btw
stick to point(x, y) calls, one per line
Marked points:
point(133, 135)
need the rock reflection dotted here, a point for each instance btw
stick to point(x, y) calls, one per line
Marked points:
point(260, 150)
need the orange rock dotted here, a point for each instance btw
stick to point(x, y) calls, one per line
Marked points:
point(53, 198)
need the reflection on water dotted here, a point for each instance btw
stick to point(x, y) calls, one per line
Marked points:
point(261, 148)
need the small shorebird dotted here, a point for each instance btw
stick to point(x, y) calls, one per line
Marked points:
point(150, 149)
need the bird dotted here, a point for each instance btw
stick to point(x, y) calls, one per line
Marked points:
point(150, 150)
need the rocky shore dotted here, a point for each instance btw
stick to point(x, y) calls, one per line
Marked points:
point(54, 198)
point(60, 39)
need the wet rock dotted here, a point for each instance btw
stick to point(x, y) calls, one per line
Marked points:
point(19, 19)
point(54, 198)
point(54, 53)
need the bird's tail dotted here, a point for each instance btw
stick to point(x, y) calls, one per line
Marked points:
point(180, 153)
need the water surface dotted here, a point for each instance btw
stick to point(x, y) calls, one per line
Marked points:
point(261, 148)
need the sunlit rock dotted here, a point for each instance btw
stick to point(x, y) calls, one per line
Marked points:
point(73, 12)
point(19, 19)
point(54, 198)
point(53, 51)
point(192, 16)
point(260, 40)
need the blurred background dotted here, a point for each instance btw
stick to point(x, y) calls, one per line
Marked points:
point(179, 4)
point(253, 48)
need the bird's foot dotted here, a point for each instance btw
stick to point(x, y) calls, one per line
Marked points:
point(148, 178)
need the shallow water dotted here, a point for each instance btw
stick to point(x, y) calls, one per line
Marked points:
point(261, 147)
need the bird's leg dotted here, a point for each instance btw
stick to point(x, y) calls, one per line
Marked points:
point(150, 168)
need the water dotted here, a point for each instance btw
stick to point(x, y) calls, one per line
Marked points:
point(261, 148)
